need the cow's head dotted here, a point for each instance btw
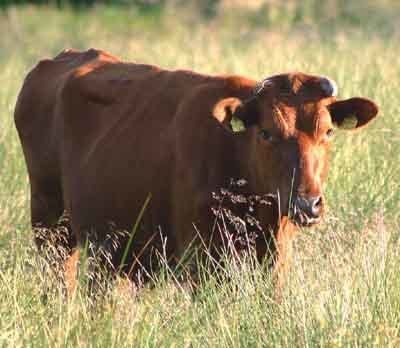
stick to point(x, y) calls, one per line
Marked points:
point(289, 123)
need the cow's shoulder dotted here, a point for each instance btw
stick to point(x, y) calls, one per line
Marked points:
point(93, 76)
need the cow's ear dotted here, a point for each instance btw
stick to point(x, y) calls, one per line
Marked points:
point(352, 113)
point(233, 114)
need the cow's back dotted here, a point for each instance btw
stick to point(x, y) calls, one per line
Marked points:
point(101, 132)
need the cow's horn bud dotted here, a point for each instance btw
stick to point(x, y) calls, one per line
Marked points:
point(329, 87)
point(259, 88)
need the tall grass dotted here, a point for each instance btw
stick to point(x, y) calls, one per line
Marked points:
point(344, 288)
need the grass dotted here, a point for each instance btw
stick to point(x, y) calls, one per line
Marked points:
point(344, 288)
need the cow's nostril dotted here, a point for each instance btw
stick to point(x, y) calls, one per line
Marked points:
point(316, 205)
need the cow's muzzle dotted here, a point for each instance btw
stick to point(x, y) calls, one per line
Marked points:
point(307, 211)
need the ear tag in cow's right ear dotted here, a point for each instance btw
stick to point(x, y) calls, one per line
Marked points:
point(237, 125)
point(350, 122)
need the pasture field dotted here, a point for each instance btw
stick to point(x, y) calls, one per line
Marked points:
point(344, 287)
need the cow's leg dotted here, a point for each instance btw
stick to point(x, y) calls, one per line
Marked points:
point(70, 268)
point(101, 251)
point(283, 255)
point(51, 227)
point(198, 241)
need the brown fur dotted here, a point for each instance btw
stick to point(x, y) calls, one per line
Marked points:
point(100, 135)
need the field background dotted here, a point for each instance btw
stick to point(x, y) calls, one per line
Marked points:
point(344, 288)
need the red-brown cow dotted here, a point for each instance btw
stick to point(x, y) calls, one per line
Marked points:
point(99, 135)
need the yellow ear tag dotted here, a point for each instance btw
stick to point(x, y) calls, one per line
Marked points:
point(237, 125)
point(350, 122)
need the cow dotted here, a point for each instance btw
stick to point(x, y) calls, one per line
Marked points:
point(106, 142)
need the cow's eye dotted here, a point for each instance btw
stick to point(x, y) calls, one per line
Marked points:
point(329, 133)
point(266, 135)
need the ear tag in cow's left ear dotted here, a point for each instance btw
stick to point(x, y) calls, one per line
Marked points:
point(237, 125)
point(349, 122)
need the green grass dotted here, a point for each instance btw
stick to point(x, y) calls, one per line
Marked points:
point(344, 288)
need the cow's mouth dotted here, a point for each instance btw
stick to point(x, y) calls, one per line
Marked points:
point(305, 218)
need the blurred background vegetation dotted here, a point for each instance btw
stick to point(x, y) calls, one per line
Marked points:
point(371, 14)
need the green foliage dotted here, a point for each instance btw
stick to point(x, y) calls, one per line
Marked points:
point(344, 288)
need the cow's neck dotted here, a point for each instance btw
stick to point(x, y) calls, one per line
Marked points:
point(243, 159)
